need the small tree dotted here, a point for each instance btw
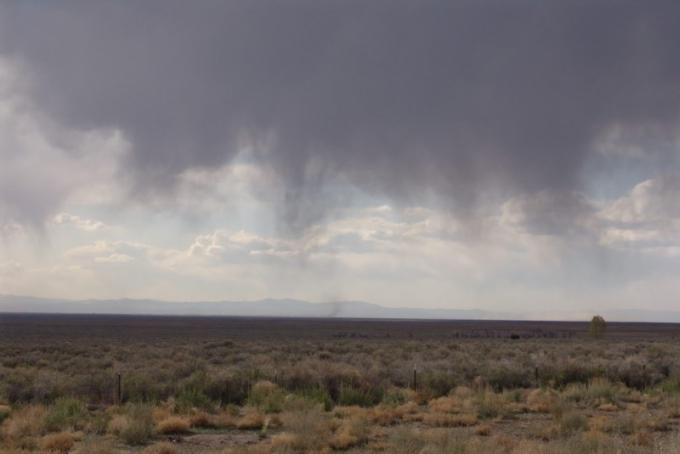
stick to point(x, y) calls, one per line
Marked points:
point(597, 326)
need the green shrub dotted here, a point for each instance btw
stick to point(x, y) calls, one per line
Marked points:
point(318, 395)
point(193, 398)
point(227, 389)
point(507, 378)
point(4, 412)
point(573, 373)
point(350, 395)
point(140, 428)
point(671, 385)
point(603, 389)
point(142, 388)
point(17, 385)
point(489, 405)
point(571, 423)
point(437, 384)
point(394, 396)
point(99, 423)
point(267, 396)
point(93, 386)
point(65, 413)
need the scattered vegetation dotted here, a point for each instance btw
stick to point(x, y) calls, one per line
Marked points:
point(325, 393)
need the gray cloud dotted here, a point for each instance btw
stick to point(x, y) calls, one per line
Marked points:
point(400, 98)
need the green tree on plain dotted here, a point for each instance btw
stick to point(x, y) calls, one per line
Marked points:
point(597, 326)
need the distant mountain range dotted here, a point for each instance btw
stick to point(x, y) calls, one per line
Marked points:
point(297, 308)
point(260, 308)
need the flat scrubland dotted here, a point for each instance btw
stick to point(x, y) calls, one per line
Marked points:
point(201, 385)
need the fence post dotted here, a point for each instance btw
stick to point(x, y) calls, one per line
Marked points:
point(119, 394)
point(415, 379)
point(536, 377)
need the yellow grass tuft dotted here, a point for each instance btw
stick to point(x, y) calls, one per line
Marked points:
point(160, 448)
point(286, 441)
point(540, 401)
point(409, 408)
point(250, 421)
point(483, 430)
point(352, 432)
point(463, 392)
point(118, 424)
point(446, 404)
point(447, 420)
point(173, 425)
point(160, 413)
point(642, 438)
point(25, 422)
point(202, 419)
point(58, 442)
point(343, 440)
point(608, 407)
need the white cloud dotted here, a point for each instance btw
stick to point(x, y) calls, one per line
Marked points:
point(87, 225)
point(655, 200)
point(647, 219)
point(114, 258)
point(104, 252)
point(229, 245)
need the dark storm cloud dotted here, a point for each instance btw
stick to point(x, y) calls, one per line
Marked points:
point(401, 98)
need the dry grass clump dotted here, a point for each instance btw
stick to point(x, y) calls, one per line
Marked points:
point(542, 401)
point(387, 415)
point(173, 425)
point(448, 420)
point(490, 405)
point(408, 408)
point(96, 446)
point(642, 438)
point(406, 441)
point(22, 425)
point(608, 407)
point(61, 442)
point(162, 412)
point(306, 431)
point(352, 432)
point(446, 404)
point(160, 448)
point(483, 430)
point(657, 423)
point(572, 422)
point(251, 420)
point(204, 420)
point(135, 427)
point(118, 424)
point(201, 419)
point(286, 441)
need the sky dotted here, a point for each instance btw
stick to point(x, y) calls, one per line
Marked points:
point(494, 155)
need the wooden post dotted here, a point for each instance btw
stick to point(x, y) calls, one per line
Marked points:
point(415, 379)
point(119, 394)
point(536, 376)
